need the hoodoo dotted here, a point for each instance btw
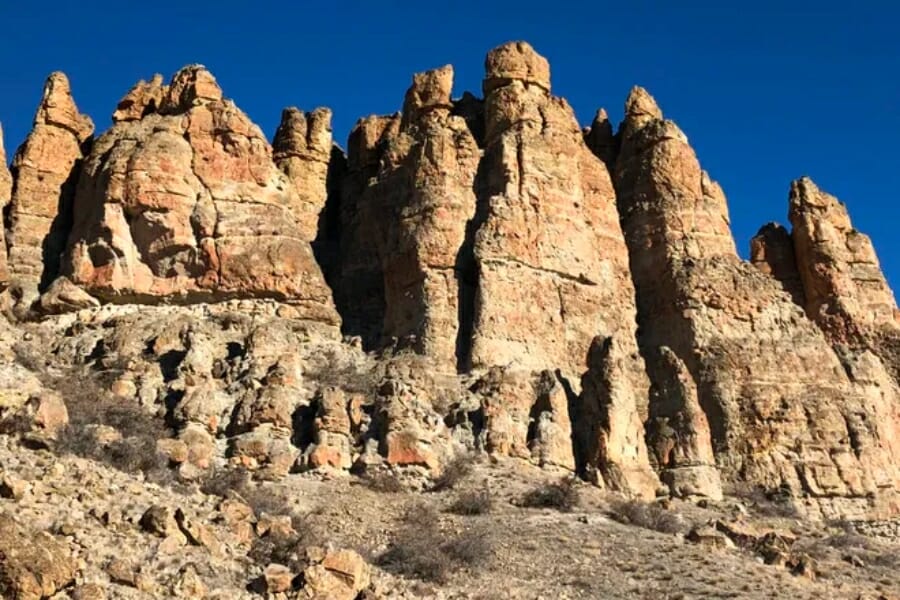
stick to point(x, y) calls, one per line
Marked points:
point(505, 281)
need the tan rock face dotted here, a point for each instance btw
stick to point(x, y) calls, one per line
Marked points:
point(846, 292)
point(412, 181)
point(46, 172)
point(6, 185)
point(552, 264)
point(359, 282)
point(609, 433)
point(302, 150)
point(32, 565)
point(185, 203)
point(772, 252)
point(781, 410)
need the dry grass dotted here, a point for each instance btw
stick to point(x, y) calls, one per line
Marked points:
point(384, 482)
point(766, 503)
point(422, 550)
point(648, 515)
point(472, 503)
point(562, 496)
point(454, 472)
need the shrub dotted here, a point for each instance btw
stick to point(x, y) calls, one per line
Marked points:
point(562, 496)
point(421, 550)
point(384, 482)
point(454, 472)
point(648, 515)
point(767, 503)
point(473, 503)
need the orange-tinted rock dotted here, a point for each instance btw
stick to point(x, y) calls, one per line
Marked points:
point(782, 411)
point(609, 432)
point(846, 292)
point(772, 252)
point(143, 99)
point(33, 565)
point(333, 437)
point(526, 415)
point(412, 215)
point(46, 171)
point(6, 185)
point(185, 204)
point(552, 266)
point(302, 150)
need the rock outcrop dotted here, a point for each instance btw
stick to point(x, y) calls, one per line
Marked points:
point(845, 291)
point(413, 181)
point(302, 150)
point(782, 412)
point(506, 282)
point(45, 170)
point(181, 201)
point(6, 185)
point(772, 252)
point(551, 262)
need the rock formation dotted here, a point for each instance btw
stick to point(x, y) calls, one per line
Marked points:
point(302, 149)
point(417, 176)
point(781, 410)
point(519, 286)
point(45, 169)
point(551, 262)
point(772, 252)
point(845, 290)
point(181, 201)
point(6, 185)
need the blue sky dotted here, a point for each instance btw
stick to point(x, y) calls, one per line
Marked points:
point(765, 93)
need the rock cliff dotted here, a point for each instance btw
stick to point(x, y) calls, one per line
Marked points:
point(181, 201)
point(505, 281)
point(45, 171)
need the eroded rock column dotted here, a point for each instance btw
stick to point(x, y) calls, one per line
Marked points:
point(6, 185)
point(45, 169)
point(782, 412)
point(180, 201)
point(302, 150)
point(846, 292)
point(552, 263)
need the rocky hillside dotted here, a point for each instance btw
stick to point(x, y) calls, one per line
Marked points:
point(195, 318)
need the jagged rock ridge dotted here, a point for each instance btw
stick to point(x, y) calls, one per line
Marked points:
point(572, 298)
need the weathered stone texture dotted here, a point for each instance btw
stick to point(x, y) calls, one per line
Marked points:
point(846, 292)
point(781, 410)
point(772, 252)
point(33, 565)
point(45, 169)
point(359, 282)
point(186, 204)
point(413, 181)
point(552, 265)
point(6, 185)
point(302, 150)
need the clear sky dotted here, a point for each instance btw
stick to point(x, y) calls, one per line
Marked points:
point(765, 93)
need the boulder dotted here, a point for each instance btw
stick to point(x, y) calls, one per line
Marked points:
point(33, 565)
point(334, 575)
